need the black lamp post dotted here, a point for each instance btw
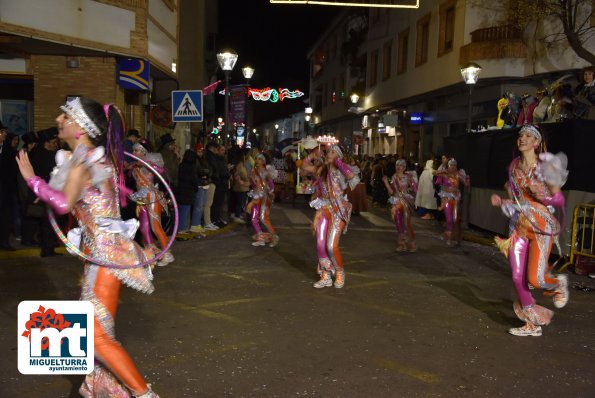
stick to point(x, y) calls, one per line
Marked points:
point(470, 73)
point(227, 60)
point(248, 72)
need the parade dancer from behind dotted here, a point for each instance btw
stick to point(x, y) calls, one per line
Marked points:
point(402, 188)
point(450, 194)
point(333, 210)
point(89, 182)
point(259, 207)
point(150, 200)
point(534, 182)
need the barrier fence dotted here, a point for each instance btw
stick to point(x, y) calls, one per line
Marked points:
point(583, 236)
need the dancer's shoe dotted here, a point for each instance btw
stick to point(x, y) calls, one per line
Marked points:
point(528, 329)
point(325, 281)
point(339, 278)
point(561, 293)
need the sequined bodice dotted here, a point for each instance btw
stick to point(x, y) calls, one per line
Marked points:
point(144, 177)
point(97, 203)
point(401, 183)
point(527, 184)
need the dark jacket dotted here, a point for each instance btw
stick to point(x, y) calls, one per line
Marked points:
point(203, 171)
point(220, 176)
point(187, 179)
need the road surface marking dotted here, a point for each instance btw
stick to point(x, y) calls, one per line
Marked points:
point(374, 219)
point(426, 377)
point(296, 216)
point(378, 308)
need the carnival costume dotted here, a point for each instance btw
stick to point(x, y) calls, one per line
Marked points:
point(403, 188)
point(533, 228)
point(450, 195)
point(150, 201)
point(333, 212)
point(104, 236)
point(259, 207)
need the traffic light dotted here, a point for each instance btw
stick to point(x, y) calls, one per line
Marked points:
point(215, 131)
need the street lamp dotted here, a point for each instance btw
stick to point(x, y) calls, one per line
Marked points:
point(470, 73)
point(354, 98)
point(247, 71)
point(227, 60)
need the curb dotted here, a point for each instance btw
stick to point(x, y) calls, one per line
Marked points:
point(478, 239)
point(35, 251)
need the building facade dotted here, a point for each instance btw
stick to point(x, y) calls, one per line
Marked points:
point(54, 49)
point(405, 64)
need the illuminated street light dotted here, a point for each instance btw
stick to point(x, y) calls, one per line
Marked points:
point(247, 72)
point(354, 98)
point(227, 60)
point(470, 73)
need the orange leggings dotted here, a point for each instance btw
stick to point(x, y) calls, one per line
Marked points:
point(538, 268)
point(107, 350)
point(327, 237)
point(153, 222)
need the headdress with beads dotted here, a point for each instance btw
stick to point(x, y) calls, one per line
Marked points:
point(139, 147)
point(401, 162)
point(74, 109)
point(528, 128)
point(337, 149)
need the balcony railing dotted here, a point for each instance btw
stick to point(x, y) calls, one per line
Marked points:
point(498, 42)
point(496, 33)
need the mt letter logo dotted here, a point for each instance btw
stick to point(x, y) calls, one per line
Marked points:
point(55, 337)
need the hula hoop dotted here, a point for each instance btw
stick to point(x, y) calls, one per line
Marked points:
point(75, 250)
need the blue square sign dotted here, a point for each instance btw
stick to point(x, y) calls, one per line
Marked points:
point(186, 106)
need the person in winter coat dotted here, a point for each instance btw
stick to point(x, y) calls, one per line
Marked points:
point(187, 188)
point(203, 173)
point(425, 198)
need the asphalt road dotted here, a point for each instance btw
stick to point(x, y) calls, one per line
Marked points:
point(229, 319)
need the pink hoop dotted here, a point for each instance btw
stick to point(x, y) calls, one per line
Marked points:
point(102, 263)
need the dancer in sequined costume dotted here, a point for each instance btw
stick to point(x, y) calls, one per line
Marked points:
point(259, 207)
point(402, 188)
point(150, 200)
point(89, 183)
point(534, 182)
point(333, 211)
point(449, 181)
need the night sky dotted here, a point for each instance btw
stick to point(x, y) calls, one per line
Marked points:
point(274, 39)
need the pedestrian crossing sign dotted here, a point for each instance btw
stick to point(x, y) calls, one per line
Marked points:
point(186, 106)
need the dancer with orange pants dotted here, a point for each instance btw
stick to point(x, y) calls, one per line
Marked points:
point(402, 187)
point(150, 201)
point(534, 182)
point(449, 180)
point(259, 207)
point(333, 210)
point(88, 182)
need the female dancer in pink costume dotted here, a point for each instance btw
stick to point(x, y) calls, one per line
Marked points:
point(534, 182)
point(333, 211)
point(88, 182)
point(150, 201)
point(259, 208)
point(402, 187)
point(449, 180)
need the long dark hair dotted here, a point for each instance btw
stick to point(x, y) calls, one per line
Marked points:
point(110, 122)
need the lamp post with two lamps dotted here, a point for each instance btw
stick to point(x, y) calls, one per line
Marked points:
point(470, 73)
point(227, 60)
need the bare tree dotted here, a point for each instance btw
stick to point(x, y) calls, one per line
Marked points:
point(575, 19)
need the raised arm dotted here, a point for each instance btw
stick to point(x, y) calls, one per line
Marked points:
point(61, 202)
point(308, 166)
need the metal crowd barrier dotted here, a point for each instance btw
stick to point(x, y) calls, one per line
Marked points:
point(583, 233)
